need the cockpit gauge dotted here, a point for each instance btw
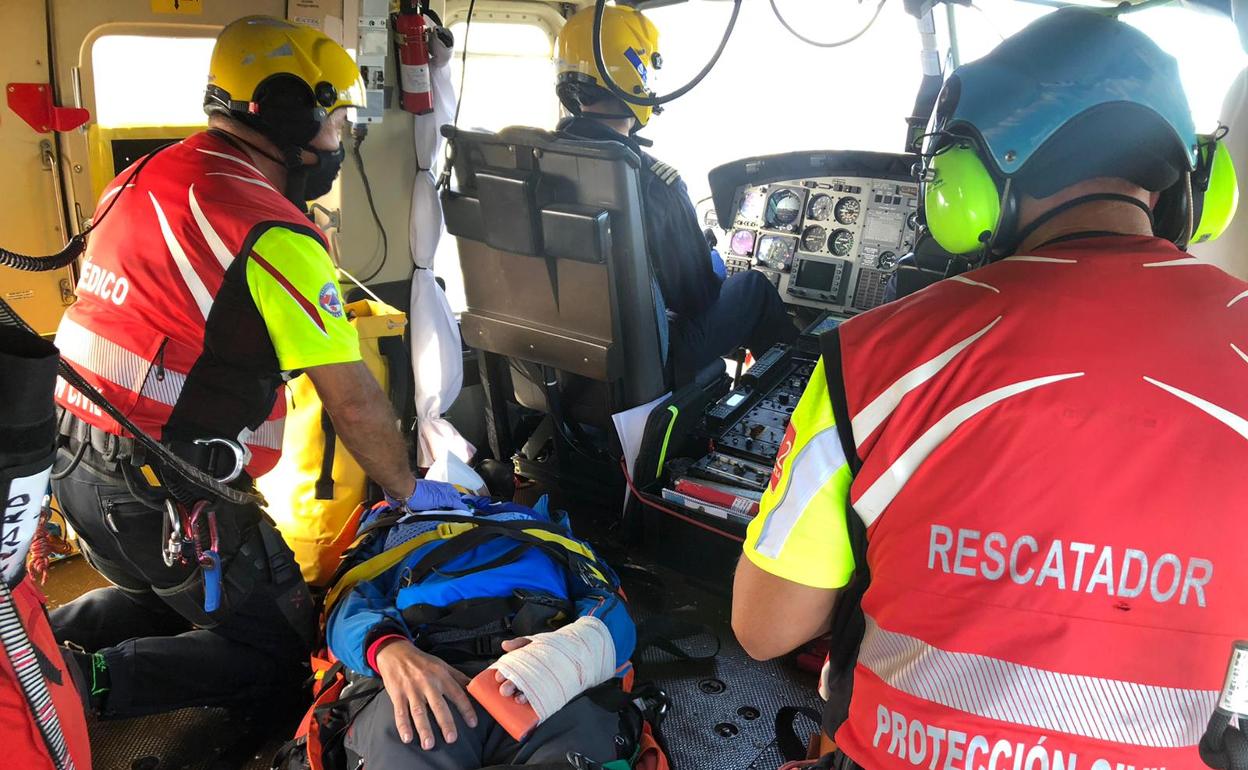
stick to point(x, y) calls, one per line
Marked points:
point(841, 241)
point(847, 210)
point(888, 261)
point(819, 209)
point(742, 243)
point(776, 251)
point(784, 208)
point(752, 204)
point(813, 238)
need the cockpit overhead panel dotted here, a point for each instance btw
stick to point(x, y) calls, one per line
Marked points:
point(827, 228)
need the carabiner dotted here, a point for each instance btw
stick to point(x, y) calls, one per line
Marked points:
point(171, 550)
point(242, 456)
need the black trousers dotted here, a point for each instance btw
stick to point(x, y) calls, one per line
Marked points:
point(582, 726)
point(749, 313)
point(253, 653)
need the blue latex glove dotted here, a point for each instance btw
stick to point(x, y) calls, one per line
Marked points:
point(431, 496)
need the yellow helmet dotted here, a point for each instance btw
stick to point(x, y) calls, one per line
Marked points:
point(630, 48)
point(281, 77)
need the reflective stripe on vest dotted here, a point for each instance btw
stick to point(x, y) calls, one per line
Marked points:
point(108, 360)
point(16, 645)
point(1087, 706)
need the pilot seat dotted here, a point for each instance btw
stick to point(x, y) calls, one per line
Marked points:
point(561, 297)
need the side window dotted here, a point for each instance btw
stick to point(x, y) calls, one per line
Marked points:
point(149, 81)
point(149, 90)
point(511, 76)
point(510, 82)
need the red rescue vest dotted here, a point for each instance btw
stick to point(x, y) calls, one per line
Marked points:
point(1053, 471)
point(151, 289)
point(44, 727)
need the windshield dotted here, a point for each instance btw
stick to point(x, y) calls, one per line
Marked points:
point(771, 93)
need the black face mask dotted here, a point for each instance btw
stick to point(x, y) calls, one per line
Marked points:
point(310, 182)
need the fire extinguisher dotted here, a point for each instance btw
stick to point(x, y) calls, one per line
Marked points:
point(415, 84)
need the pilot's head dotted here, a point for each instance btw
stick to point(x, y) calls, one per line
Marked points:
point(291, 83)
point(1078, 108)
point(630, 50)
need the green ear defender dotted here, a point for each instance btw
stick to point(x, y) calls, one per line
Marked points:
point(961, 200)
point(1215, 190)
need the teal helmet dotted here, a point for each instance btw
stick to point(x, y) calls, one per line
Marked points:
point(1075, 95)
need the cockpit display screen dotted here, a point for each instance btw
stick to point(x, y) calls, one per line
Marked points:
point(819, 276)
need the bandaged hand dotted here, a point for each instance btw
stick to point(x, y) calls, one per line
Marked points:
point(548, 670)
point(506, 687)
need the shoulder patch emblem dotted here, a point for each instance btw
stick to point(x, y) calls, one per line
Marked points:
point(330, 300)
point(665, 172)
point(782, 457)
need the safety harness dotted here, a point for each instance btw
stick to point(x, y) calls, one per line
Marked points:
point(848, 621)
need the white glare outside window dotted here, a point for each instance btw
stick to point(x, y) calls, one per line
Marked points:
point(771, 93)
point(510, 82)
point(150, 81)
point(1205, 44)
point(511, 76)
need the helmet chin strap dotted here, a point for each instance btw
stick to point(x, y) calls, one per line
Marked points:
point(293, 159)
point(296, 169)
point(1082, 200)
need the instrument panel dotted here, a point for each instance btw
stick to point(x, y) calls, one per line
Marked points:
point(828, 240)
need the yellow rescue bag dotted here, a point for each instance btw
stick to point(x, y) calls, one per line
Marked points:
point(314, 490)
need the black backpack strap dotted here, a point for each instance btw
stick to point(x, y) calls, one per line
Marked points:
point(848, 621)
point(791, 745)
point(325, 482)
point(398, 360)
point(485, 531)
point(830, 350)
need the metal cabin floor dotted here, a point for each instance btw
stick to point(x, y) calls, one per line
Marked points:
point(722, 715)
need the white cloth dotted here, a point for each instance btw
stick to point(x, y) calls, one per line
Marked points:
point(555, 667)
point(437, 364)
point(452, 470)
point(23, 506)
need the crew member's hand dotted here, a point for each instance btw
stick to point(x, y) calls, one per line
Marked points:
point(507, 688)
point(430, 496)
point(420, 685)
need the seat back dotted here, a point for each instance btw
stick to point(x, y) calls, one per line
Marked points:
point(553, 252)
